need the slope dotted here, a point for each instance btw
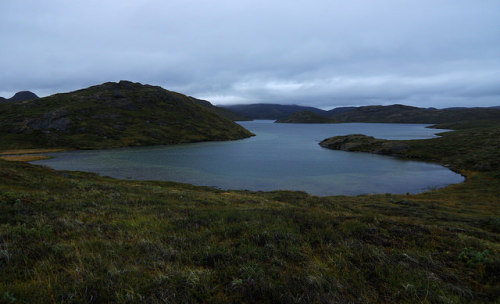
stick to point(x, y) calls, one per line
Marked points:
point(111, 115)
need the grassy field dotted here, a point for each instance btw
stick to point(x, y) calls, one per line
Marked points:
point(73, 237)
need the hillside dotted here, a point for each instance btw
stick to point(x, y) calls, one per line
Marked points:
point(227, 113)
point(270, 111)
point(112, 115)
point(305, 117)
point(408, 114)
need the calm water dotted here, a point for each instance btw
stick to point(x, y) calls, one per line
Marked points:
point(281, 156)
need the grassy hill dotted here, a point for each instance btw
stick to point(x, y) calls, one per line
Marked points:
point(305, 117)
point(111, 115)
point(381, 114)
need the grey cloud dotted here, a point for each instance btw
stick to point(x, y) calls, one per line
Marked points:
point(321, 53)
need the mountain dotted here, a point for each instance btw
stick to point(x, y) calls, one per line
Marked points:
point(23, 95)
point(112, 115)
point(305, 117)
point(227, 113)
point(339, 110)
point(270, 111)
point(407, 114)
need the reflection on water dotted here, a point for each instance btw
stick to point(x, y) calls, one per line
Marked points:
point(281, 156)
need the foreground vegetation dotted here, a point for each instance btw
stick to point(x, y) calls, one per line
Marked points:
point(76, 237)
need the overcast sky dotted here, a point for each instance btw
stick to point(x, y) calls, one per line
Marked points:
point(321, 53)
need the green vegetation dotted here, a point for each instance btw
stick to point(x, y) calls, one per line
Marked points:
point(305, 117)
point(111, 115)
point(269, 111)
point(77, 237)
point(476, 146)
point(407, 114)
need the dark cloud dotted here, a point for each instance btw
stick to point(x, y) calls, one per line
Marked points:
point(321, 53)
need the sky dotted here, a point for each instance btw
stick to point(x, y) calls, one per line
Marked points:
point(321, 53)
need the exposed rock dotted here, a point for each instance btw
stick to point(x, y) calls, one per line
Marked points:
point(52, 120)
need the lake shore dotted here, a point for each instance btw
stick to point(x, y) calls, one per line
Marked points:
point(67, 235)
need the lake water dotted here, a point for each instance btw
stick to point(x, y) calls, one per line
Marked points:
point(279, 157)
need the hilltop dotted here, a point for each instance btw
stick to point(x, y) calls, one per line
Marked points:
point(305, 117)
point(112, 115)
point(21, 96)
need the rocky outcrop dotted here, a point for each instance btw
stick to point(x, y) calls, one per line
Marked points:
point(56, 120)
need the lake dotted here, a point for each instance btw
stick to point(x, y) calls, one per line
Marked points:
point(279, 157)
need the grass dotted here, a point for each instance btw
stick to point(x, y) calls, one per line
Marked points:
point(29, 151)
point(74, 237)
point(24, 158)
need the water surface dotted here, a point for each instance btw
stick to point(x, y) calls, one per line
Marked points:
point(279, 157)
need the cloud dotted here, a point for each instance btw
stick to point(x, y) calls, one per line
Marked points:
point(321, 53)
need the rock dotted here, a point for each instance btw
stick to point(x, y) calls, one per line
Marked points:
point(52, 120)
point(23, 95)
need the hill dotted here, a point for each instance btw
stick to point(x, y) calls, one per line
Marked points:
point(408, 114)
point(270, 111)
point(21, 96)
point(305, 117)
point(112, 115)
point(227, 113)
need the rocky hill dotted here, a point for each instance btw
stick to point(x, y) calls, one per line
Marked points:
point(21, 96)
point(112, 115)
point(305, 117)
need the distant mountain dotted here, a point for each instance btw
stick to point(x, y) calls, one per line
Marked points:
point(23, 95)
point(305, 117)
point(339, 110)
point(227, 113)
point(270, 111)
point(112, 115)
point(408, 114)
point(2, 99)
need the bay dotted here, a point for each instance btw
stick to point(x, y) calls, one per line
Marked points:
point(279, 157)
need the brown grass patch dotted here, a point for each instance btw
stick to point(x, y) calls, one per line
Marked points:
point(25, 157)
point(29, 151)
